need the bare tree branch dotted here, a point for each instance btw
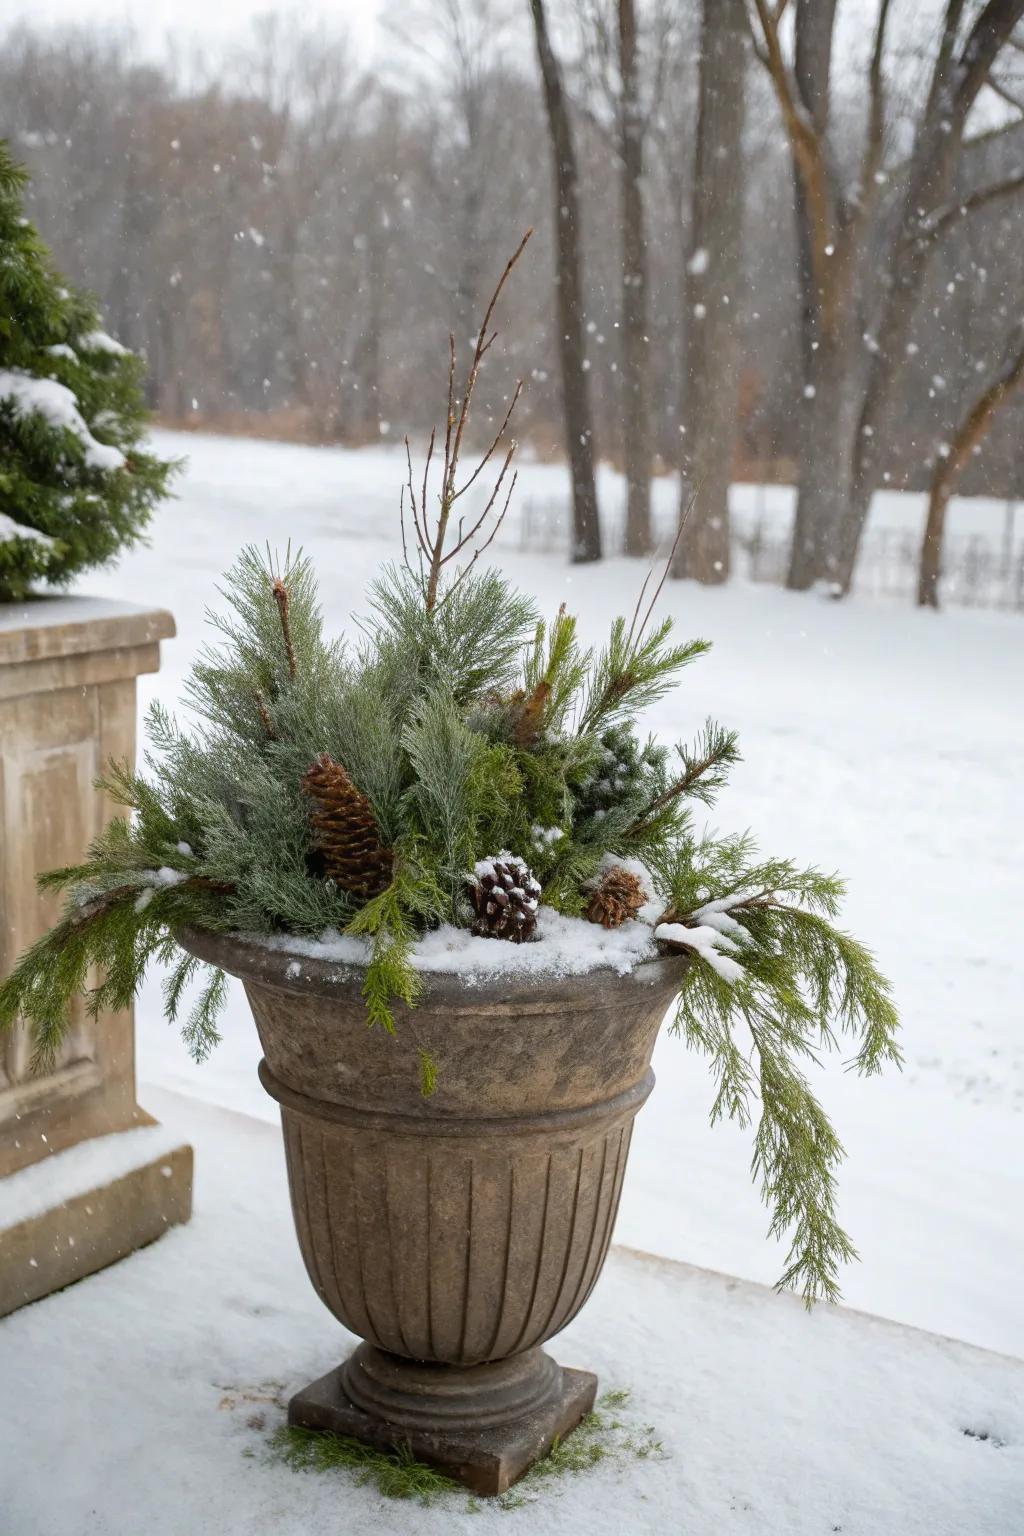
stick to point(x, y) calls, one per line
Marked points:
point(874, 146)
point(432, 543)
point(807, 146)
point(968, 439)
point(940, 220)
point(1006, 94)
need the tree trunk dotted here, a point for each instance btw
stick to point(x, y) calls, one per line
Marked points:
point(930, 571)
point(709, 387)
point(824, 452)
point(821, 480)
point(948, 468)
point(636, 428)
point(368, 352)
point(569, 287)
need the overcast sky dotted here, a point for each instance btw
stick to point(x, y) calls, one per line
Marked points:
point(154, 21)
point(210, 23)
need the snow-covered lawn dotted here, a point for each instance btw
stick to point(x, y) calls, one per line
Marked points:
point(883, 742)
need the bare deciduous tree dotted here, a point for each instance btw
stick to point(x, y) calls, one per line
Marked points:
point(569, 292)
point(626, 65)
point(710, 378)
point(843, 225)
point(636, 428)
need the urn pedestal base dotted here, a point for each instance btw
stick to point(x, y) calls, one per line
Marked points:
point(483, 1425)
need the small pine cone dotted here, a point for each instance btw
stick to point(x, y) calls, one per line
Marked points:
point(505, 895)
point(619, 895)
point(346, 838)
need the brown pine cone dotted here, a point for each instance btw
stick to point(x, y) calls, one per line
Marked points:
point(618, 895)
point(505, 895)
point(346, 838)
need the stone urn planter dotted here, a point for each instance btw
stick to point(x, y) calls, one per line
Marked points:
point(454, 1234)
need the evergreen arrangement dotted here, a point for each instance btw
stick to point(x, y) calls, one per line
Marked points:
point(74, 485)
point(465, 762)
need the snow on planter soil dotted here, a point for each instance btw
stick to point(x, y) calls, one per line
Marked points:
point(877, 740)
point(773, 1422)
point(565, 946)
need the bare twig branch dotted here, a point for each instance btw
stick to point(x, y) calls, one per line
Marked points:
point(422, 536)
point(1003, 91)
point(481, 346)
point(462, 540)
point(874, 145)
point(426, 473)
point(456, 584)
point(497, 439)
point(808, 149)
point(432, 542)
point(668, 566)
point(936, 223)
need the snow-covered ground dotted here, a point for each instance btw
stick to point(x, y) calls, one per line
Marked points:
point(142, 1401)
point(883, 742)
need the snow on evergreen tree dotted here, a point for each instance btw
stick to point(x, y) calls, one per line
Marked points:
point(74, 486)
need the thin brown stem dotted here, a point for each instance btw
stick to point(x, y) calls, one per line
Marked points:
point(432, 542)
point(464, 540)
point(497, 439)
point(426, 473)
point(481, 347)
point(264, 712)
point(280, 592)
point(680, 787)
point(489, 540)
point(668, 566)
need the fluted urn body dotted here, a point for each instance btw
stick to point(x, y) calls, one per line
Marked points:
point(462, 1230)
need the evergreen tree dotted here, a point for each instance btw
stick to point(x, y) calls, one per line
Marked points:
point(74, 486)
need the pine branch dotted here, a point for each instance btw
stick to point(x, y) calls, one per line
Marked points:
point(706, 766)
point(632, 673)
point(280, 592)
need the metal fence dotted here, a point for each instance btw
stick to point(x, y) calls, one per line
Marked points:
point(979, 571)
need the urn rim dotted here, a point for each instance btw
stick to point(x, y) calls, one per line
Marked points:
point(253, 962)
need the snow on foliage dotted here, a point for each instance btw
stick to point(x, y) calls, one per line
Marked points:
point(59, 407)
point(10, 530)
point(65, 496)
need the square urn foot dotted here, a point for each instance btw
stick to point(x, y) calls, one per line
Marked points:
point(487, 1461)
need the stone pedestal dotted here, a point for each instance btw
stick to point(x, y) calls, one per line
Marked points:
point(67, 706)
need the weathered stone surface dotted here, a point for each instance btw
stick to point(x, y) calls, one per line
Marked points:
point(465, 1229)
point(486, 1457)
point(67, 706)
point(76, 1237)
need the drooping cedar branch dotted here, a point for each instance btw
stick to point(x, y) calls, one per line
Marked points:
point(434, 551)
point(89, 911)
